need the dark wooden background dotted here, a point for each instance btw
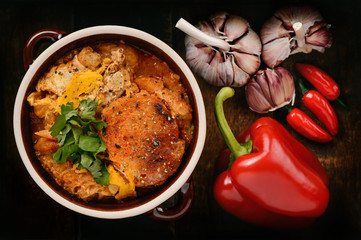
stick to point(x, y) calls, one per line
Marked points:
point(27, 212)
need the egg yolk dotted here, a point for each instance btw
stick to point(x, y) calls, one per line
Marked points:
point(80, 84)
point(126, 186)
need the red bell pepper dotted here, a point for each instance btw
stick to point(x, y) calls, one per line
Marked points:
point(323, 82)
point(274, 180)
point(305, 126)
point(319, 106)
point(223, 160)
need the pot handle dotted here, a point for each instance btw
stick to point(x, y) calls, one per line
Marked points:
point(181, 207)
point(35, 39)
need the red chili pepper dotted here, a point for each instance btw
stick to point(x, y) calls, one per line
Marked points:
point(321, 81)
point(274, 180)
point(319, 106)
point(305, 126)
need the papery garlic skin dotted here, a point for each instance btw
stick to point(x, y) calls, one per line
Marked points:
point(291, 30)
point(218, 67)
point(270, 89)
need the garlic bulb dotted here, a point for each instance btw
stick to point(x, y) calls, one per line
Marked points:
point(270, 89)
point(225, 51)
point(291, 30)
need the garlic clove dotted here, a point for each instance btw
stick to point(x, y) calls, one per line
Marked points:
point(287, 83)
point(218, 21)
point(276, 51)
point(304, 27)
point(270, 89)
point(273, 29)
point(263, 84)
point(320, 38)
point(286, 15)
point(235, 27)
point(248, 44)
point(218, 70)
point(275, 87)
point(197, 49)
point(207, 28)
point(233, 49)
point(317, 26)
point(307, 15)
point(217, 58)
point(217, 63)
point(198, 56)
point(211, 74)
point(255, 98)
point(249, 63)
point(226, 72)
point(240, 76)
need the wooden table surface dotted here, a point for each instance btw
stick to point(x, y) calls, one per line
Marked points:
point(27, 212)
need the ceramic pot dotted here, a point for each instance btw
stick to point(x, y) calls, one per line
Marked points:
point(147, 203)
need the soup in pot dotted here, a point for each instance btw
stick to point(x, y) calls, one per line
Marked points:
point(109, 120)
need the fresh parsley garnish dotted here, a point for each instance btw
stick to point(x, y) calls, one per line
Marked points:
point(77, 133)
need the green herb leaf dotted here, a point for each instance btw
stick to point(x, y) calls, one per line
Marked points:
point(57, 155)
point(62, 154)
point(71, 114)
point(99, 124)
point(96, 167)
point(86, 160)
point(74, 122)
point(104, 179)
point(79, 140)
point(75, 157)
point(102, 146)
point(88, 109)
point(69, 139)
point(67, 152)
point(76, 133)
point(63, 134)
point(87, 143)
point(67, 110)
point(58, 126)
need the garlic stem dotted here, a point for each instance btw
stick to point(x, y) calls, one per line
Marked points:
point(300, 34)
point(194, 32)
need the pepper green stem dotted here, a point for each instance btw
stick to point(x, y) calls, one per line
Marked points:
point(338, 100)
point(236, 148)
point(288, 108)
point(302, 86)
